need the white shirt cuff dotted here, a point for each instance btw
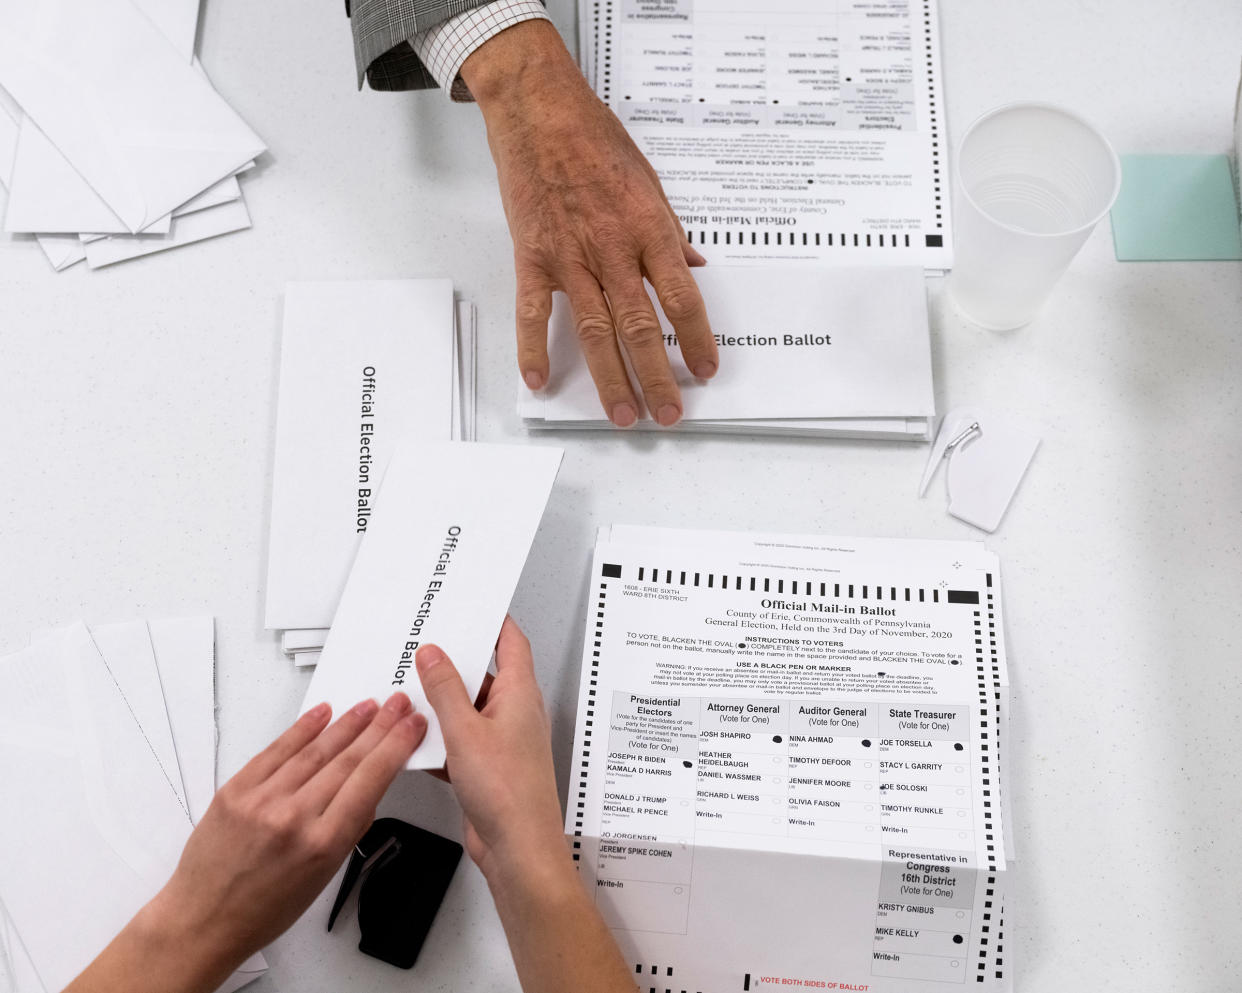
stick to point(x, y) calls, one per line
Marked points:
point(445, 47)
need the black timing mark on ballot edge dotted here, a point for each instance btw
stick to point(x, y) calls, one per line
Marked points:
point(929, 58)
point(988, 672)
point(609, 571)
point(639, 969)
point(995, 676)
point(606, 95)
point(805, 239)
point(790, 587)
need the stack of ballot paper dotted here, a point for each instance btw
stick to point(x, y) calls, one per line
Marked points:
point(790, 765)
point(364, 366)
point(107, 756)
point(113, 142)
point(784, 133)
point(839, 353)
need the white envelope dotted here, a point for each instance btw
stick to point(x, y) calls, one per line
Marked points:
point(465, 362)
point(197, 226)
point(23, 977)
point(126, 650)
point(142, 127)
point(224, 191)
point(794, 343)
point(8, 144)
point(95, 803)
point(63, 202)
point(439, 563)
point(363, 366)
point(177, 14)
point(185, 654)
point(302, 639)
point(51, 197)
point(86, 794)
point(177, 21)
point(10, 107)
point(62, 250)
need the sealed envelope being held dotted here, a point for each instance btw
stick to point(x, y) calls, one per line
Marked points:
point(439, 563)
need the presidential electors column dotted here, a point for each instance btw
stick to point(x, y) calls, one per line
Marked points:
point(648, 815)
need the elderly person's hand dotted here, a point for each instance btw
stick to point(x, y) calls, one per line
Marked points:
point(588, 217)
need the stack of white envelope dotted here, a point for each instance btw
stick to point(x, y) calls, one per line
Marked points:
point(107, 756)
point(820, 353)
point(113, 143)
point(364, 366)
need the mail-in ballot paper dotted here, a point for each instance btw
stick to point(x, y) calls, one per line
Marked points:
point(364, 365)
point(833, 156)
point(786, 737)
point(439, 563)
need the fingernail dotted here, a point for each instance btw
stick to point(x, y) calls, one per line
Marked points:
point(398, 703)
point(427, 656)
point(534, 381)
point(624, 415)
point(668, 415)
point(705, 369)
point(317, 713)
point(415, 720)
point(366, 709)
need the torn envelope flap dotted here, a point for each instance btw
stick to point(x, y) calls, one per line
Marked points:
point(987, 456)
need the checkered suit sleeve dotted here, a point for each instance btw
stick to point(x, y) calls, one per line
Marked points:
point(418, 44)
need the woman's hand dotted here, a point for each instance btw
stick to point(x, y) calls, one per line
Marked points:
point(270, 841)
point(500, 760)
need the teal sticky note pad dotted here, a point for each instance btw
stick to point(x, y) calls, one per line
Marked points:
point(1176, 207)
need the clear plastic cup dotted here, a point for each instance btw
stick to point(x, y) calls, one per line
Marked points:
point(1032, 180)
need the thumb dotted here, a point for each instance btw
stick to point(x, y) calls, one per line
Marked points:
point(444, 690)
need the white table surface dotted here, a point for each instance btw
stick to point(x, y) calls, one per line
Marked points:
point(137, 430)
